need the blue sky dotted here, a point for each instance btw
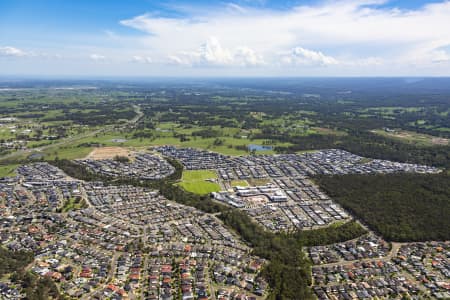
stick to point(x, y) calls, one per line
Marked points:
point(225, 38)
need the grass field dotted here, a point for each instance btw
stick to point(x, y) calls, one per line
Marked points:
point(72, 204)
point(67, 152)
point(7, 170)
point(239, 183)
point(196, 182)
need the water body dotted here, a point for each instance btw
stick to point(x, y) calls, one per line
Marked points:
point(118, 140)
point(253, 147)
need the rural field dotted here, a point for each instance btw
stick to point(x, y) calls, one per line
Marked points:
point(108, 153)
point(7, 170)
point(414, 137)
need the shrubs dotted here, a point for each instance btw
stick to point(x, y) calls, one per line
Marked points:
point(121, 159)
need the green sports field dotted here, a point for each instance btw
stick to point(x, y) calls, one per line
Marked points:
point(196, 182)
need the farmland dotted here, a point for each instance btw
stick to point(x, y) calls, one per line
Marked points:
point(70, 123)
point(413, 137)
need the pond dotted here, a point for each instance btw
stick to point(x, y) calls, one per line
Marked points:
point(253, 147)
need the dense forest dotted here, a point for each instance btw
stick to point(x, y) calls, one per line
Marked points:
point(288, 271)
point(401, 207)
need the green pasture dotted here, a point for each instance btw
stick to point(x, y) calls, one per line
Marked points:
point(8, 170)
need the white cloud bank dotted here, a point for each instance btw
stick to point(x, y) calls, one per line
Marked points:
point(353, 34)
point(141, 59)
point(12, 52)
point(347, 37)
point(302, 56)
point(211, 53)
point(97, 57)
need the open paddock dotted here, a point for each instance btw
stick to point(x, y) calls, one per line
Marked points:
point(108, 153)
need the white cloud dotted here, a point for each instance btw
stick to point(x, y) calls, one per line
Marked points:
point(97, 57)
point(302, 56)
point(16, 52)
point(354, 33)
point(367, 62)
point(233, 7)
point(248, 57)
point(177, 60)
point(343, 37)
point(141, 59)
point(212, 53)
point(440, 56)
point(12, 51)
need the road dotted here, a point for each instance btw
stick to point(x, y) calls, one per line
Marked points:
point(72, 139)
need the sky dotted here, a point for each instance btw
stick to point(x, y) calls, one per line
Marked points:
point(144, 38)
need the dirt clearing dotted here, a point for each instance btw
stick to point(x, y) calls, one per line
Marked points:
point(108, 153)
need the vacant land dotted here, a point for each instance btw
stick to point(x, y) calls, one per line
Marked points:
point(413, 137)
point(402, 207)
point(72, 203)
point(256, 181)
point(239, 183)
point(199, 182)
point(66, 152)
point(7, 170)
point(108, 152)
